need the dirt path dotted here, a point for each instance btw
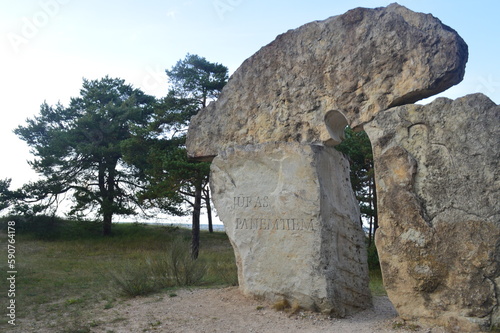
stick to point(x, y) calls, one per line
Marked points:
point(226, 310)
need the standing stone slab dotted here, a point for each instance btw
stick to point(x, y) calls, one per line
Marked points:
point(438, 187)
point(294, 223)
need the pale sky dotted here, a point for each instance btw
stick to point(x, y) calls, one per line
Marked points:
point(48, 46)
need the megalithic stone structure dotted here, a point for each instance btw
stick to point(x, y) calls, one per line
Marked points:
point(283, 191)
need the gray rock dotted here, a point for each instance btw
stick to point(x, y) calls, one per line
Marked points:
point(438, 187)
point(283, 193)
point(294, 223)
point(358, 63)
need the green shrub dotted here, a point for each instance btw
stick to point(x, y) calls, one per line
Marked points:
point(134, 280)
point(41, 227)
point(183, 269)
point(222, 268)
point(174, 268)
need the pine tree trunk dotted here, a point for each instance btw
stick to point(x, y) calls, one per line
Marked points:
point(107, 220)
point(107, 192)
point(209, 211)
point(195, 234)
point(375, 215)
point(371, 232)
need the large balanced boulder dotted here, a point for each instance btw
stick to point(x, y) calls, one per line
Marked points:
point(438, 189)
point(358, 63)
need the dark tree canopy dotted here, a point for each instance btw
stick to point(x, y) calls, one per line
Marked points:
point(197, 79)
point(358, 149)
point(78, 149)
point(6, 195)
point(172, 178)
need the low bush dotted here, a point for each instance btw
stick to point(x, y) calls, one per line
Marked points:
point(180, 265)
point(175, 268)
point(221, 268)
point(134, 280)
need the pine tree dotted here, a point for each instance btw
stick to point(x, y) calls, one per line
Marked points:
point(357, 148)
point(78, 149)
point(172, 177)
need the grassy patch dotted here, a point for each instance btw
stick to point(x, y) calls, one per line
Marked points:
point(281, 305)
point(64, 273)
point(69, 270)
point(376, 283)
point(173, 268)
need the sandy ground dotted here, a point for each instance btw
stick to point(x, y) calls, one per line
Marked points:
point(227, 310)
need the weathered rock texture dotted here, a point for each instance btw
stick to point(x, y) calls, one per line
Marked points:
point(358, 63)
point(293, 221)
point(438, 185)
point(283, 193)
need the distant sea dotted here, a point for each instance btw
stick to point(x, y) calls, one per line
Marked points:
point(217, 227)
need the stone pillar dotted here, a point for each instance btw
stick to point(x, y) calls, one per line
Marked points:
point(438, 189)
point(294, 223)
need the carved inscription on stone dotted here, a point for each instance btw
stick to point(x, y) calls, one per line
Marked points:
point(274, 224)
point(294, 231)
point(251, 202)
point(262, 205)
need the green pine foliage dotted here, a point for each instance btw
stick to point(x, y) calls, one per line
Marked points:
point(358, 149)
point(6, 195)
point(173, 180)
point(78, 151)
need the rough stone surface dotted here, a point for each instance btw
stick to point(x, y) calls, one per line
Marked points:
point(438, 185)
point(293, 221)
point(283, 193)
point(358, 63)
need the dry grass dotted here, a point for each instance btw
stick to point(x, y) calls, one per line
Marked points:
point(60, 279)
point(65, 275)
point(282, 305)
